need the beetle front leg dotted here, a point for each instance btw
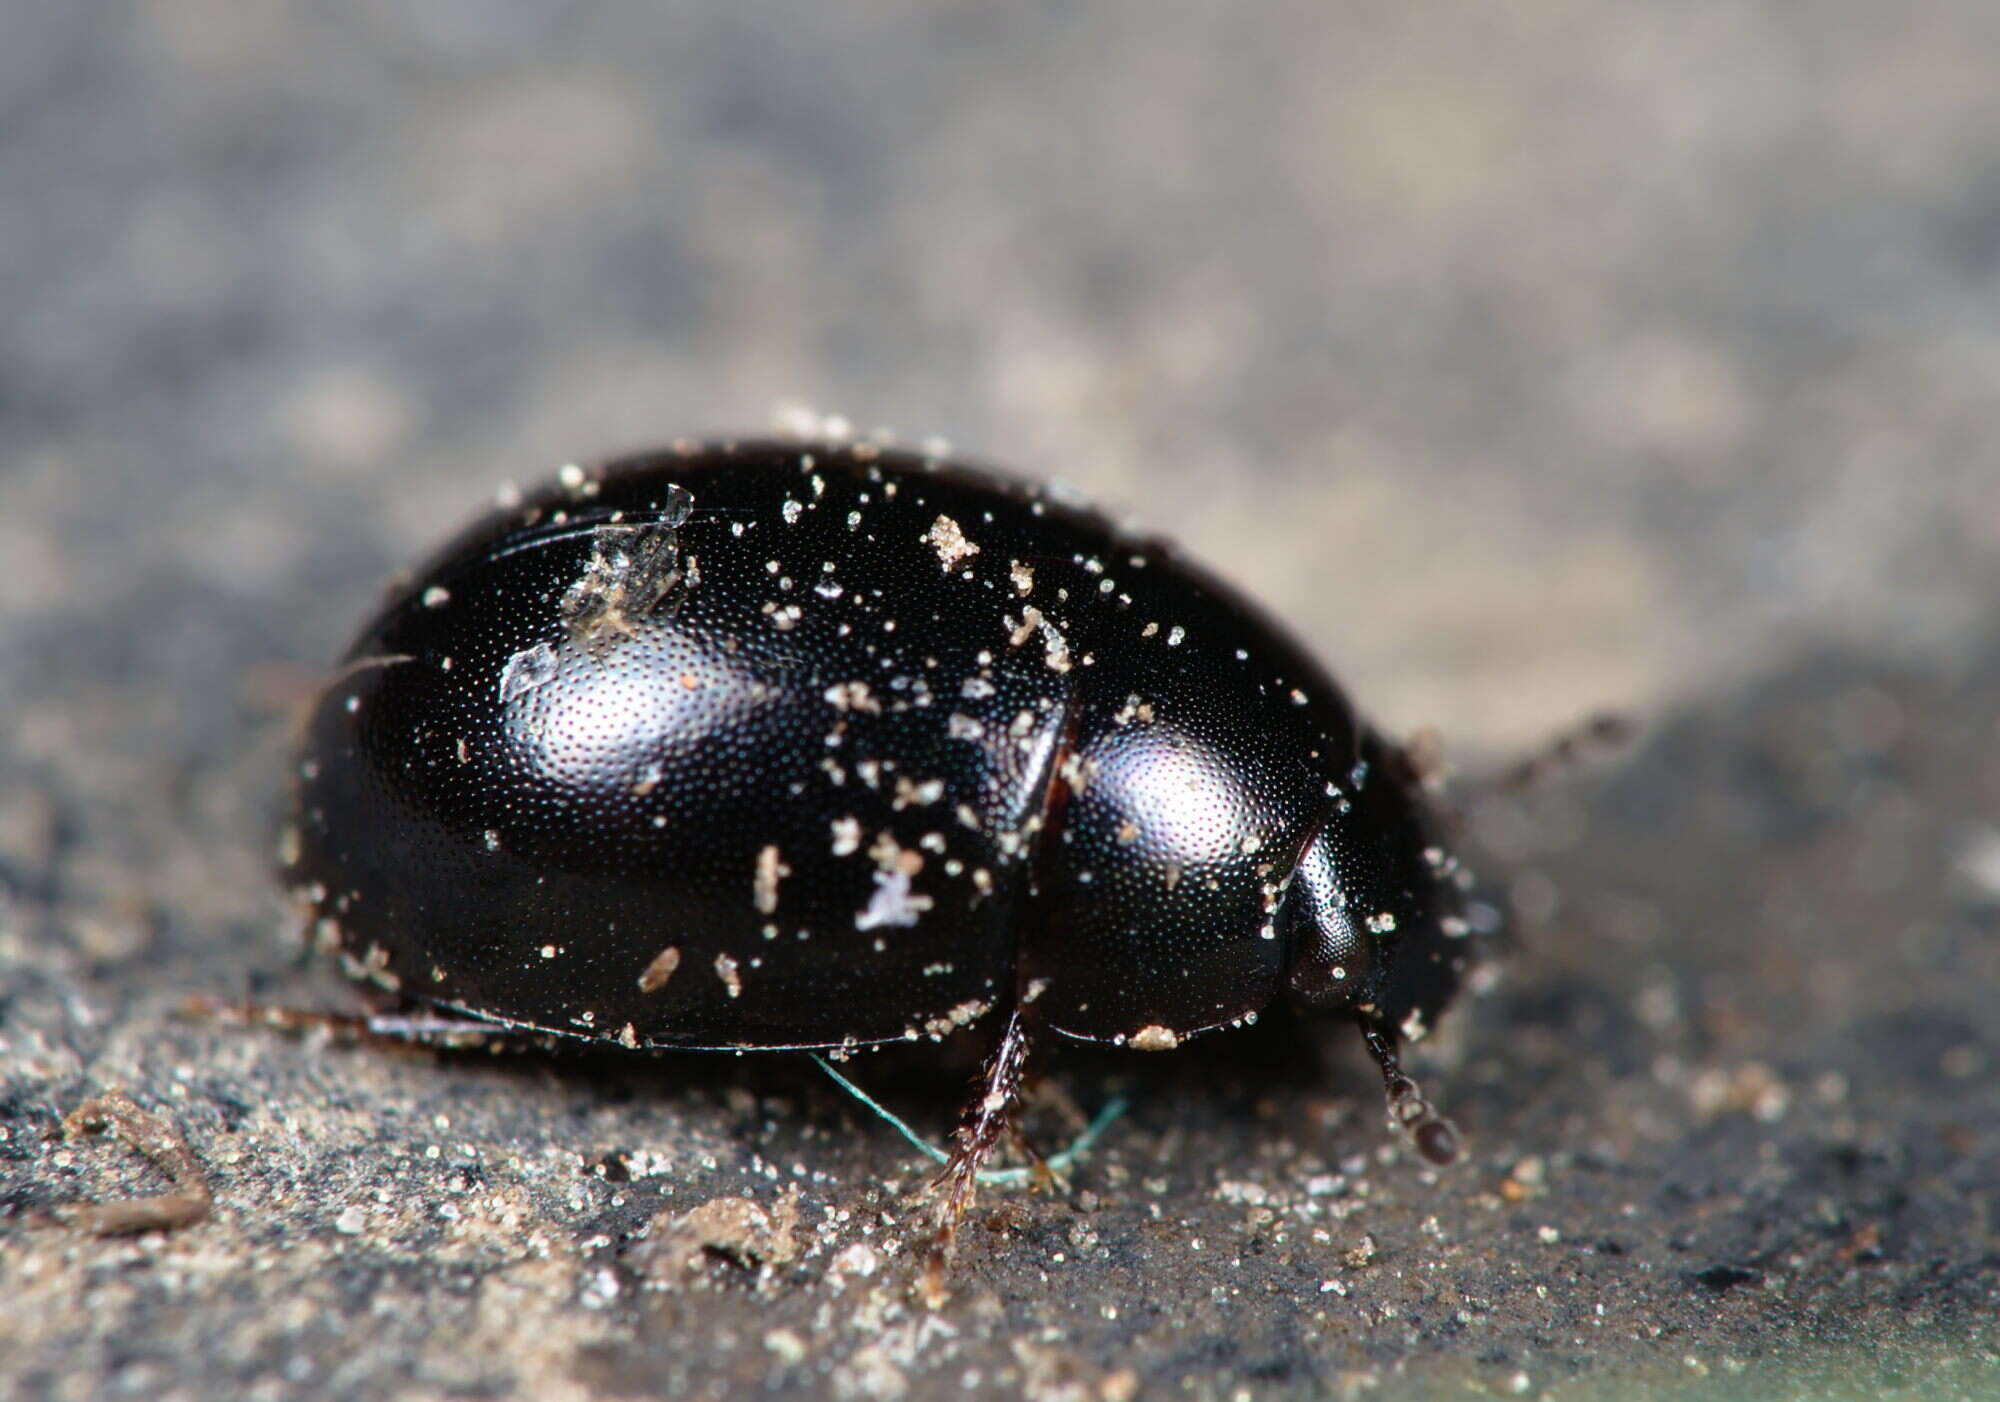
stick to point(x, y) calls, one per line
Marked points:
point(985, 1122)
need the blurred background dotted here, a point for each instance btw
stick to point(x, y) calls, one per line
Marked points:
point(1527, 358)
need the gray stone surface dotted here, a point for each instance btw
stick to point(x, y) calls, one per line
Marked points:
point(1530, 358)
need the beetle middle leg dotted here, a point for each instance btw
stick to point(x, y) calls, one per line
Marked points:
point(986, 1121)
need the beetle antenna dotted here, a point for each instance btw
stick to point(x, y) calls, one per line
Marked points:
point(1422, 760)
point(1409, 1109)
point(1597, 733)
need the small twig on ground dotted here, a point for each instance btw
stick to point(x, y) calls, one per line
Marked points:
point(187, 1203)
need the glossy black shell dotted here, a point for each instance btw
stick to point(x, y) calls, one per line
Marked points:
point(779, 745)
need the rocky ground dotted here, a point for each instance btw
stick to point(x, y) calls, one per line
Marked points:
point(1529, 360)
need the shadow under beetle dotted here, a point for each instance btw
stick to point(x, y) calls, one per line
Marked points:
point(785, 746)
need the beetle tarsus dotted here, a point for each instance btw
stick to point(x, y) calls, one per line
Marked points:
point(1410, 1110)
point(987, 1120)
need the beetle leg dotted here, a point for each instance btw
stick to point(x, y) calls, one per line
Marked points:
point(379, 1029)
point(1409, 1109)
point(985, 1121)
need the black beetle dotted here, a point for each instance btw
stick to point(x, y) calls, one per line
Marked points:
point(782, 746)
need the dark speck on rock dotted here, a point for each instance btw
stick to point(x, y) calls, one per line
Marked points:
point(1723, 1278)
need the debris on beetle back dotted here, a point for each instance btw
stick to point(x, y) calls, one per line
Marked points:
point(631, 569)
point(660, 970)
point(633, 564)
point(893, 903)
point(771, 869)
point(528, 670)
point(726, 969)
point(950, 542)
